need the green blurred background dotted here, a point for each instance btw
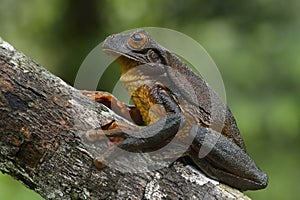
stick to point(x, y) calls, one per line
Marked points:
point(255, 45)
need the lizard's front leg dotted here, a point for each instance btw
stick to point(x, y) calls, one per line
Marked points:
point(131, 113)
point(152, 137)
point(110, 131)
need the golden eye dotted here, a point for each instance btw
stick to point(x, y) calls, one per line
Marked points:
point(137, 40)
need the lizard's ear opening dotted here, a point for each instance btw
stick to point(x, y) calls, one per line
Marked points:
point(153, 57)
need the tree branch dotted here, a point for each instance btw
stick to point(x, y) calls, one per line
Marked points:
point(42, 124)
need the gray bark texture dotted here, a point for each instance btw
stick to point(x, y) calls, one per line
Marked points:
point(43, 123)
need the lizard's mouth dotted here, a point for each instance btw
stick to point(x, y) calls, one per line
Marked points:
point(117, 54)
point(125, 61)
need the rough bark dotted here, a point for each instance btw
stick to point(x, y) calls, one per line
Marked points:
point(42, 123)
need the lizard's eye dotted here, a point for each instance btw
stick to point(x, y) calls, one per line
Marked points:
point(153, 56)
point(137, 40)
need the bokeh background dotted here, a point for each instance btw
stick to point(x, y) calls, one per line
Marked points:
point(255, 45)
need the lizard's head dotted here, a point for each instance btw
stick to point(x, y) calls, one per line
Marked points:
point(134, 49)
